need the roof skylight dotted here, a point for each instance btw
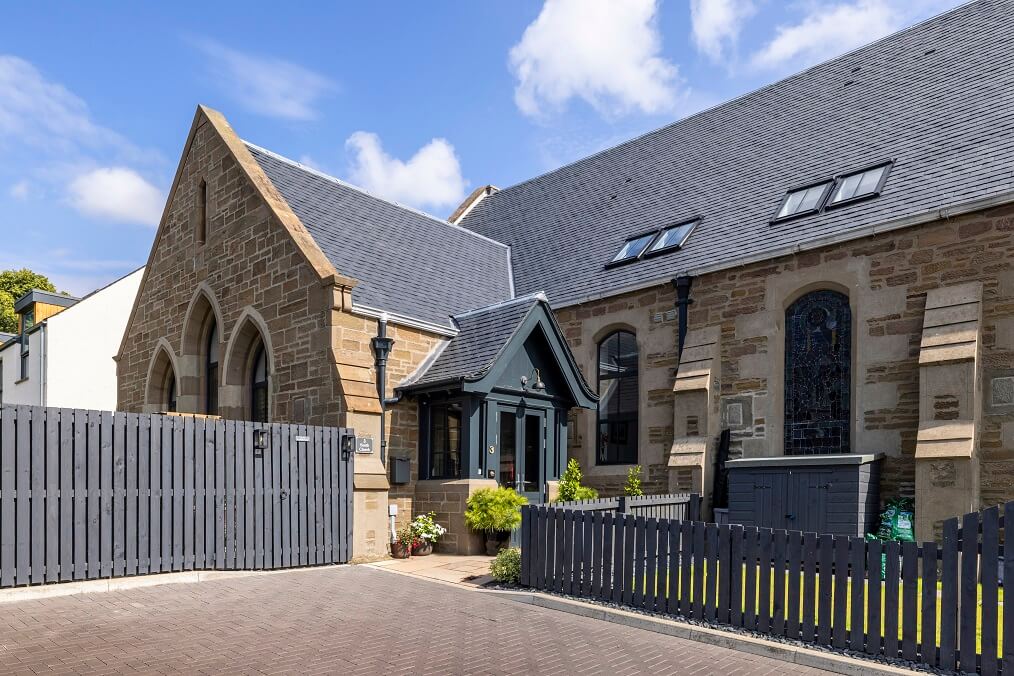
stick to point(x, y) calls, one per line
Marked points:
point(673, 237)
point(634, 247)
point(867, 183)
point(803, 201)
point(669, 238)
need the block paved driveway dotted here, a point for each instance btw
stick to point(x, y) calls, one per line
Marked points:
point(346, 620)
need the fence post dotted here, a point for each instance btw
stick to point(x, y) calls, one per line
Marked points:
point(622, 507)
point(694, 508)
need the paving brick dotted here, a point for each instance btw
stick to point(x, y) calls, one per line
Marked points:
point(351, 620)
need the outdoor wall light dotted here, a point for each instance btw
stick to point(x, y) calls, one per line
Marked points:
point(539, 385)
point(260, 439)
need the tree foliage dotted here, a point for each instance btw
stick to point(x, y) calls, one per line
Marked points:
point(13, 285)
point(633, 486)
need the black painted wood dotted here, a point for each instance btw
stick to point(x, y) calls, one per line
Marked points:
point(967, 591)
point(909, 600)
point(873, 589)
point(750, 555)
point(989, 570)
point(928, 649)
point(892, 584)
point(949, 595)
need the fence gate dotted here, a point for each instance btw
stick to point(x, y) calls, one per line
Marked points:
point(90, 494)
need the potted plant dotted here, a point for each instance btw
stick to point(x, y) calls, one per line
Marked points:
point(401, 548)
point(427, 531)
point(495, 512)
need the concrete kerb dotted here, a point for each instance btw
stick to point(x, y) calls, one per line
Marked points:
point(46, 591)
point(838, 664)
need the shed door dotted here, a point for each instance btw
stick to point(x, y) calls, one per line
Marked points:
point(806, 500)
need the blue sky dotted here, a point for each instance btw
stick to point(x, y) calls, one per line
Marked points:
point(417, 101)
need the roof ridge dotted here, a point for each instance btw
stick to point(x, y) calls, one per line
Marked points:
point(734, 99)
point(534, 296)
point(346, 184)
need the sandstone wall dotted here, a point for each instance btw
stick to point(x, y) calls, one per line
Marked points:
point(886, 278)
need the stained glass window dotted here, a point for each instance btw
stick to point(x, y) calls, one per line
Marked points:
point(818, 372)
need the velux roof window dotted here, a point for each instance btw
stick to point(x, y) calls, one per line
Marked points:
point(860, 185)
point(669, 238)
point(804, 201)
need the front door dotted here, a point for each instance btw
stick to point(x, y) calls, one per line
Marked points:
point(522, 438)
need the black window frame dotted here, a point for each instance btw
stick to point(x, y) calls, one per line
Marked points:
point(841, 178)
point(260, 386)
point(432, 410)
point(655, 234)
point(634, 427)
point(651, 251)
point(211, 368)
point(828, 183)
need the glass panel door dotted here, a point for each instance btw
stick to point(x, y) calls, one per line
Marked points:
point(533, 453)
point(508, 449)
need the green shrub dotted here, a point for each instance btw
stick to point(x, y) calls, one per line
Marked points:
point(633, 486)
point(506, 567)
point(494, 510)
point(570, 485)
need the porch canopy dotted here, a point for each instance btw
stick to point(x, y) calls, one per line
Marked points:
point(494, 399)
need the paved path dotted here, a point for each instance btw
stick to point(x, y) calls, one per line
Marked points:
point(348, 620)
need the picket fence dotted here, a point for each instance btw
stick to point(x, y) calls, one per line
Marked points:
point(90, 494)
point(935, 604)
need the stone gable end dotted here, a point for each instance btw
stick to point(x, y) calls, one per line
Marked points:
point(249, 262)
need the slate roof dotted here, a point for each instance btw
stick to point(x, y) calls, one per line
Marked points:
point(407, 262)
point(938, 98)
point(482, 335)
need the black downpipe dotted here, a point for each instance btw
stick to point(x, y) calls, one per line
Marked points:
point(683, 301)
point(381, 349)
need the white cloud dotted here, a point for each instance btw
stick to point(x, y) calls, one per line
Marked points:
point(829, 30)
point(604, 52)
point(431, 177)
point(716, 25)
point(41, 112)
point(118, 194)
point(265, 85)
point(21, 190)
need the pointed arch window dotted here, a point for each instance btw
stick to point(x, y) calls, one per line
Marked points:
point(259, 385)
point(618, 399)
point(211, 371)
point(169, 387)
point(818, 374)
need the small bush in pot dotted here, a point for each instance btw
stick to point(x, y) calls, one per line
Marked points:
point(427, 531)
point(495, 512)
point(506, 567)
point(401, 548)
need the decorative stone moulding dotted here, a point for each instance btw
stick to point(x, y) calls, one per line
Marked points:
point(696, 417)
point(950, 407)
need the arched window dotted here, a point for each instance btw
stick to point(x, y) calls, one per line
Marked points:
point(169, 387)
point(259, 385)
point(818, 374)
point(211, 370)
point(618, 399)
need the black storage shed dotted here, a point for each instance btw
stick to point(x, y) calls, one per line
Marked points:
point(837, 494)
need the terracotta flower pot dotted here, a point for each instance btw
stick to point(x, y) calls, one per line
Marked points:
point(400, 550)
point(422, 548)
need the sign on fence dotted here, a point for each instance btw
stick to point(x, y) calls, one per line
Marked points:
point(939, 605)
point(90, 494)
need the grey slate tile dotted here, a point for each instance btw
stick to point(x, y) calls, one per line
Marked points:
point(937, 98)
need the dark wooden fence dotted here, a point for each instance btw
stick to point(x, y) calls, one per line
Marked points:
point(680, 506)
point(89, 494)
point(939, 605)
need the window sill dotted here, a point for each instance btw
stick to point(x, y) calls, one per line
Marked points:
point(22, 380)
